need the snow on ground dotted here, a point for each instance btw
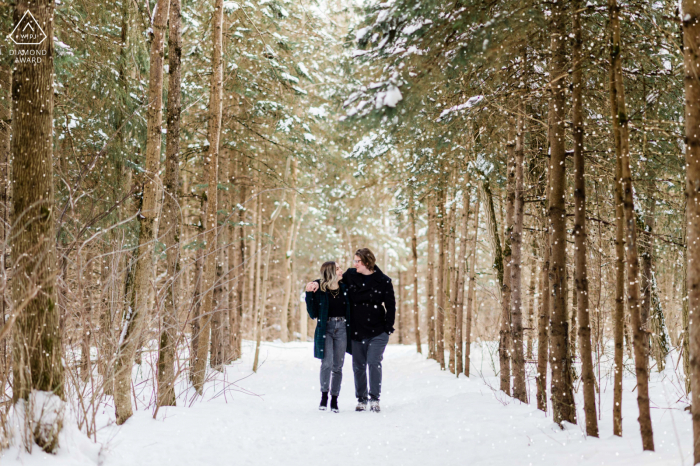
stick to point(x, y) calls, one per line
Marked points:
point(428, 417)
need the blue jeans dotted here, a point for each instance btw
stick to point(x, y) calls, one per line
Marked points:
point(333, 356)
point(368, 352)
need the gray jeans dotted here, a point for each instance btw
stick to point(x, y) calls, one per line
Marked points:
point(369, 352)
point(333, 356)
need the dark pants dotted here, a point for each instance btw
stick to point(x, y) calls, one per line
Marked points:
point(368, 352)
point(333, 356)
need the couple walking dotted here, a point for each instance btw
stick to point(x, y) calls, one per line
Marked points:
point(355, 312)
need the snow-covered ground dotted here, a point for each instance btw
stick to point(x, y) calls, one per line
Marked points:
point(428, 418)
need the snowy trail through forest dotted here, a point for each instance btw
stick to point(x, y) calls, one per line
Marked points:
point(428, 417)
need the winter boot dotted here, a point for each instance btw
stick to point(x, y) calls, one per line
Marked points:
point(324, 401)
point(374, 406)
point(361, 406)
point(334, 404)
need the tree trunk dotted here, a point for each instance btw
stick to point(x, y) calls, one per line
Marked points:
point(472, 291)
point(237, 331)
point(532, 291)
point(519, 383)
point(691, 41)
point(543, 324)
point(171, 215)
point(459, 279)
point(619, 314)
point(198, 290)
point(505, 334)
point(580, 235)
point(430, 278)
point(211, 169)
point(219, 318)
point(440, 321)
point(562, 387)
point(450, 291)
point(289, 256)
point(144, 269)
point(36, 337)
point(414, 252)
point(266, 270)
point(639, 335)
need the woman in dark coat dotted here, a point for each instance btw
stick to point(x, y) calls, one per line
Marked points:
point(331, 307)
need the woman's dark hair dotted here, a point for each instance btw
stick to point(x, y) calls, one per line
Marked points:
point(367, 258)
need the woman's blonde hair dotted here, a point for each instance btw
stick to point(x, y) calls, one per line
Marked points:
point(328, 275)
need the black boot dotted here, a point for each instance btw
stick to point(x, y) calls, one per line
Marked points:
point(334, 404)
point(324, 401)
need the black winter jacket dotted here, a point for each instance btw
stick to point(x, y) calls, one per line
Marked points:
point(373, 303)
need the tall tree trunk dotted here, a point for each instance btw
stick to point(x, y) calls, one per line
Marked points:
point(691, 56)
point(440, 320)
point(430, 278)
point(171, 215)
point(235, 271)
point(196, 311)
point(639, 335)
point(472, 290)
point(414, 253)
point(562, 386)
point(84, 283)
point(580, 235)
point(519, 384)
point(505, 334)
point(289, 256)
point(144, 271)
point(237, 331)
point(543, 324)
point(619, 313)
point(532, 291)
point(450, 291)
point(211, 171)
point(459, 279)
point(36, 337)
point(219, 318)
point(266, 270)
point(494, 238)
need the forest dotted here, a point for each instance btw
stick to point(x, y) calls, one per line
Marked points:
point(174, 172)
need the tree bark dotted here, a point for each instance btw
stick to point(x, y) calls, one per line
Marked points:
point(266, 270)
point(691, 56)
point(211, 168)
point(506, 335)
point(459, 279)
point(144, 269)
point(519, 383)
point(580, 235)
point(639, 334)
point(36, 337)
point(440, 320)
point(171, 215)
point(450, 291)
point(472, 290)
point(289, 256)
point(414, 253)
point(543, 324)
point(562, 386)
point(430, 278)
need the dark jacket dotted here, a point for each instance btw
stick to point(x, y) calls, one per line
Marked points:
point(367, 295)
point(317, 307)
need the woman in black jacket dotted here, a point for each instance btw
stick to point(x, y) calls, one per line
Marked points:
point(331, 307)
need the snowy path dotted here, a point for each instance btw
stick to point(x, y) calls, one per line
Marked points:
point(428, 418)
